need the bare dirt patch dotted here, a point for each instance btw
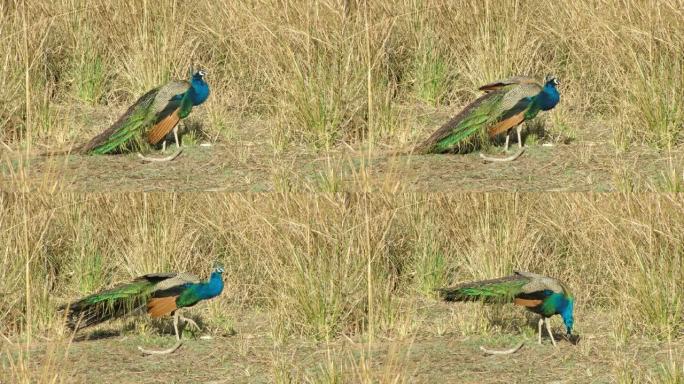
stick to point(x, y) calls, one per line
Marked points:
point(247, 162)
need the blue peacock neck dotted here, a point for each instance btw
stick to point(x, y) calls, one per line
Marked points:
point(199, 90)
point(548, 97)
point(566, 313)
point(561, 304)
point(211, 288)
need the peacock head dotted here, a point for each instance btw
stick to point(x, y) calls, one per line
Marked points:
point(218, 268)
point(199, 75)
point(551, 80)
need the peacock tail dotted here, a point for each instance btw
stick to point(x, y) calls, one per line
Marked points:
point(108, 304)
point(464, 132)
point(124, 134)
point(495, 290)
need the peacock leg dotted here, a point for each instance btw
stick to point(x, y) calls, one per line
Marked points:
point(541, 320)
point(548, 329)
point(519, 131)
point(508, 138)
point(511, 157)
point(175, 135)
point(170, 350)
point(164, 146)
point(175, 324)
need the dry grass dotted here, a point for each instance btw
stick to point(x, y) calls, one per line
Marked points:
point(320, 74)
point(326, 268)
point(294, 84)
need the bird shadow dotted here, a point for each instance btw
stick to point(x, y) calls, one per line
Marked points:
point(538, 129)
point(98, 335)
point(573, 339)
point(164, 326)
point(104, 334)
point(533, 129)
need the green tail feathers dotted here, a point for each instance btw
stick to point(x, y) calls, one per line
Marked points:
point(467, 130)
point(125, 133)
point(109, 304)
point(498, 290)
point(125, 291)
point(466, 136)
point(128, 137)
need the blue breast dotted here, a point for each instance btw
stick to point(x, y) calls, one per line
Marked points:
point(548, 97)
point(199, 91)
point(211, 289)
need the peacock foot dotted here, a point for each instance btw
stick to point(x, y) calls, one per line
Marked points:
point(191, 323)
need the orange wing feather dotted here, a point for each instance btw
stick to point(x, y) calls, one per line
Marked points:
point(530, 303)
point(505, 125)
point(159, 131)
point(161, 306)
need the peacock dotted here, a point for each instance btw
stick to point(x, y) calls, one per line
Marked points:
point(158, 294)
point(155, 115)
point(505, 105)
point(543, 295)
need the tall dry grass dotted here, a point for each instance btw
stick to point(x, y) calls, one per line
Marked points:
point(330, 71)
point(328, 265)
